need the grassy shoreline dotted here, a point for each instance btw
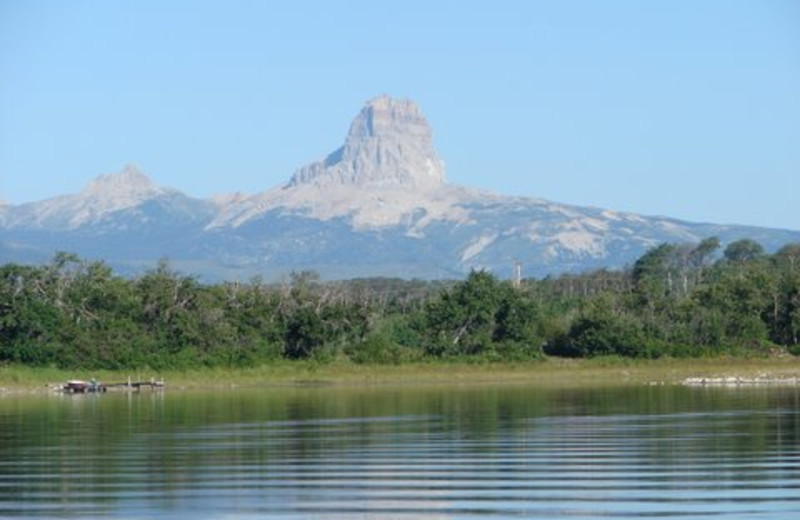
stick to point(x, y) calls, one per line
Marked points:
point(552, 372)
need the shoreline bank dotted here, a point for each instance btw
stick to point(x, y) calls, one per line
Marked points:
point(552, 372)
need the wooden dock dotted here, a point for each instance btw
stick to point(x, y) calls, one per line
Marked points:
point(137, 385)
point(77, 386)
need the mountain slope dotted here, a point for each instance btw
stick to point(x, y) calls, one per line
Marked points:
point(377, 206)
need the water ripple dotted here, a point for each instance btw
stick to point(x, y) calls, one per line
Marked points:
point(731, 464)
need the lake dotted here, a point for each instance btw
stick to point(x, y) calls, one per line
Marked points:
point(438, 452)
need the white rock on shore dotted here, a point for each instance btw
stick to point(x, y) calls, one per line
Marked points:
point(761, 380)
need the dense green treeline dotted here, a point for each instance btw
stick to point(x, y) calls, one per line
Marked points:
point(676, 300)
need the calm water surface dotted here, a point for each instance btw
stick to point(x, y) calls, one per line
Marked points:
point(485, 452)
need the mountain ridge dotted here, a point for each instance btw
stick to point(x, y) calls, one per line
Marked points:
point(378, 205)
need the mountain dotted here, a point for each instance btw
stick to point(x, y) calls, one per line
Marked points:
point(386, 172)
point(124, 217)
point(389, 144)
point(379, 205)
point(109, 204)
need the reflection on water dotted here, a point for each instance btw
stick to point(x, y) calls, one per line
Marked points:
point(404, 453)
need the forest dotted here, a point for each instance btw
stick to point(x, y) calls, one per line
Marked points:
point(678, 300)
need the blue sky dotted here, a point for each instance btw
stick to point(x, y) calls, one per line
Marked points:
point(683, 108)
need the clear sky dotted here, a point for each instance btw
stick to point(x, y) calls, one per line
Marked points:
point(683, 108)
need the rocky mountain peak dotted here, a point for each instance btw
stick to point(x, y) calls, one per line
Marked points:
point(129, 182)
point(104, 195)
point(385, 116)
point(389, 144)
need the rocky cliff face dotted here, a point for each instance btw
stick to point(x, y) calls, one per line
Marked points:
point(389, 145)
point(377, 206)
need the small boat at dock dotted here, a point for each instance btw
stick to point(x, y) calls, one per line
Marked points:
point(78, 386)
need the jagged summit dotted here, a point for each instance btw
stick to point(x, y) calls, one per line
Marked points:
point(389, 144)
